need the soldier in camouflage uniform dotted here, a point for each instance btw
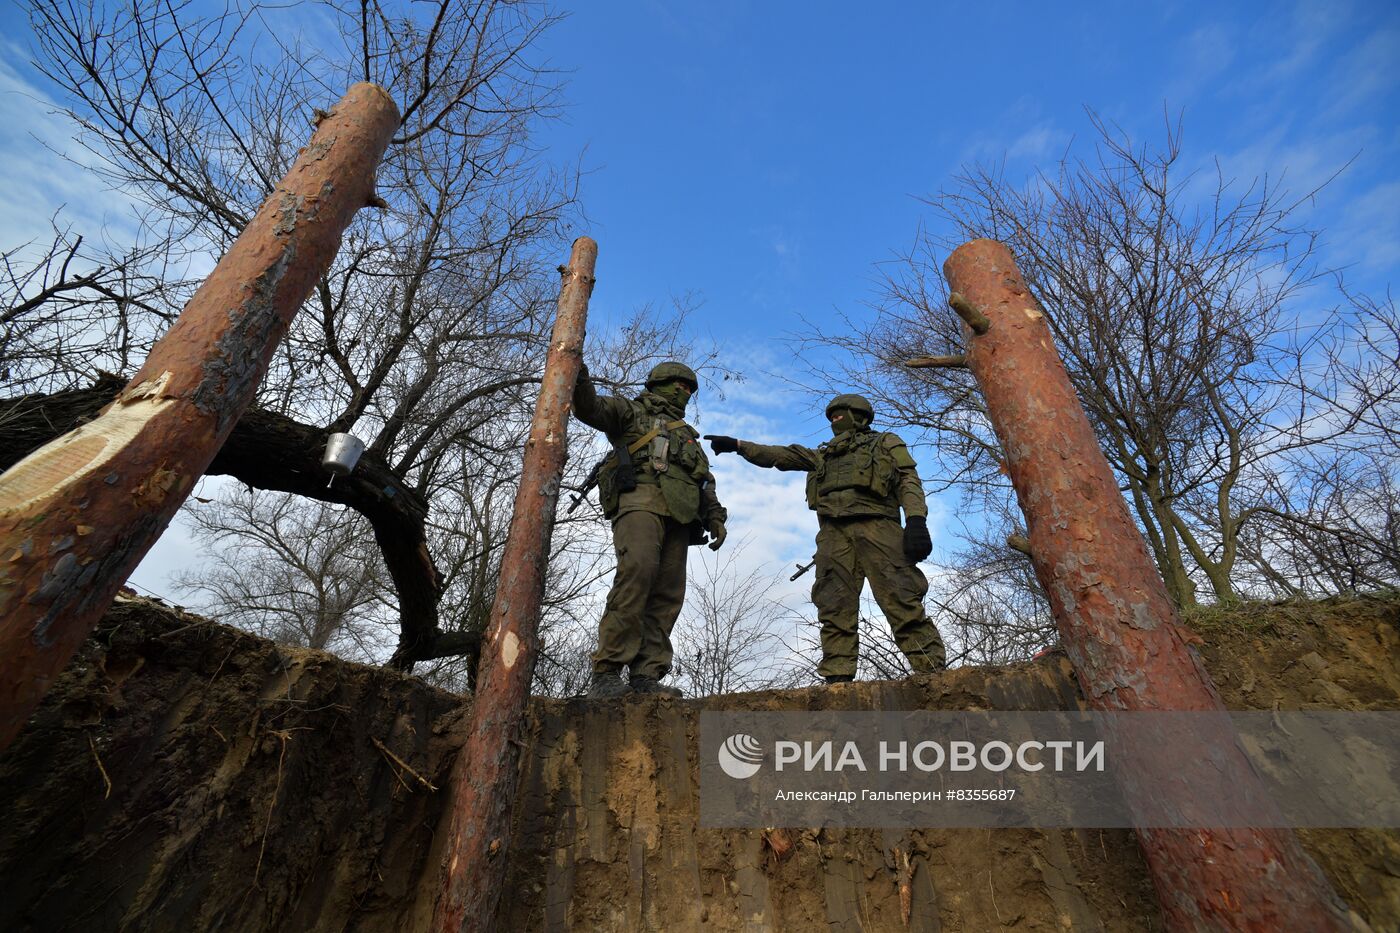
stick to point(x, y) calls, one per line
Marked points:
point(657, 490)
point(856, 483)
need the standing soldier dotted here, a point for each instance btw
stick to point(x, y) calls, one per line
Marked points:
point(857, 483)
point(657, 490)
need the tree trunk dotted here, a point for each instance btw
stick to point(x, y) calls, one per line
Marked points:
point(486, 771)
point(1116, 621)
point(1173, 565)
point(77, 516)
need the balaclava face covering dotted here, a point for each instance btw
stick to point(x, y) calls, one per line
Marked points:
point(843, 420)
point(675, 392)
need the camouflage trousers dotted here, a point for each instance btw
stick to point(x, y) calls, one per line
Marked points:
point(646, 596)
point(850, 551)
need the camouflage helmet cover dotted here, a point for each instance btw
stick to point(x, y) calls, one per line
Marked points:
point(661, 372)
point(856, 403)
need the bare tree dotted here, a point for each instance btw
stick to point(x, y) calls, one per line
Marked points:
point(726, 640)
point(1184, 312)
point(1327, 525)
point(303, 573)
point(990, 608)
point(68, 311)
point(427, 335)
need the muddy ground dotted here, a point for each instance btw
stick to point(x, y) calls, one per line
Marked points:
point(183, 775)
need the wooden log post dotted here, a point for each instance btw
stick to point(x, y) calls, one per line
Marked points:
point(486, 771)
point(1115, 618)
point(1116, 622)
point(78, 514)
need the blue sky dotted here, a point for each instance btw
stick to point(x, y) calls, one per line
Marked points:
point(765, 156)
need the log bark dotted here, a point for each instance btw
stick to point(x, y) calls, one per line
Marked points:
point(77, 515)
point(486, 772)
point(1116, 622)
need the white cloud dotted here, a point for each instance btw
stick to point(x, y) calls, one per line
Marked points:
point(1363, 73)
point(1370, 230)
point(47, 169)
point(1203, 56)
point(1311, 24)
point(1038, 143)
point(177, 549)
point(767, 508)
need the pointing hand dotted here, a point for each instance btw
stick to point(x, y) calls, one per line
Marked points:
point(722, 444)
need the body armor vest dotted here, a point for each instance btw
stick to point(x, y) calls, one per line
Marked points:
point(664, 453)
point(857, 475)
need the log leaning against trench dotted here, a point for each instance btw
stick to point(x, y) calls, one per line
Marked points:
point(77, 515)
point(1116, 622)
point(486, 774)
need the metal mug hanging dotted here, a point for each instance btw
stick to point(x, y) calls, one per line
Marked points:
point(342, 453)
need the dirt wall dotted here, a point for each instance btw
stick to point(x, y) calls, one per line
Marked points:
point(182, 775)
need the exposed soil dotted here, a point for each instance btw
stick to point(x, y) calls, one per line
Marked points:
point(182, 775)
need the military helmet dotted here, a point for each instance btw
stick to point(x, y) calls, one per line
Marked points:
point(856, 403)
point(661, 372)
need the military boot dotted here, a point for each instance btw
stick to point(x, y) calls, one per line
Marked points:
point(606, 685)
point(923, 664)
point(840, 678)
point(640, 683)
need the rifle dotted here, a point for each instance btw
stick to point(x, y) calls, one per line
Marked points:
point(625, 476)
point(589, 482)
point(803, 568)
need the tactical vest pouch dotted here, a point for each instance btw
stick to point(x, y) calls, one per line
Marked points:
point(854, 469)
point(682, 496)
point(862, 463)
point(883, 481)
point(660, 448)
point(614, 480)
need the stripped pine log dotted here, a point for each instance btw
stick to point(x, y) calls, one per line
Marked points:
point(77, 515)
point(1116, 622)
point(487, 769)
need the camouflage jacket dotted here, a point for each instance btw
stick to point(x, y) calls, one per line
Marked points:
point(683, 490)
point(860, 474)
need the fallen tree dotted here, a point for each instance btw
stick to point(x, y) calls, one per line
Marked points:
point(267, 450)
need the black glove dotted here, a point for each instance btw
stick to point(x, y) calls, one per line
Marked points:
point(583, 372)
point(723, 444)
point(717, 534)
point(917, 543)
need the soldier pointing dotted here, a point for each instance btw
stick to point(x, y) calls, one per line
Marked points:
point(657, 490)
point(856, 483)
